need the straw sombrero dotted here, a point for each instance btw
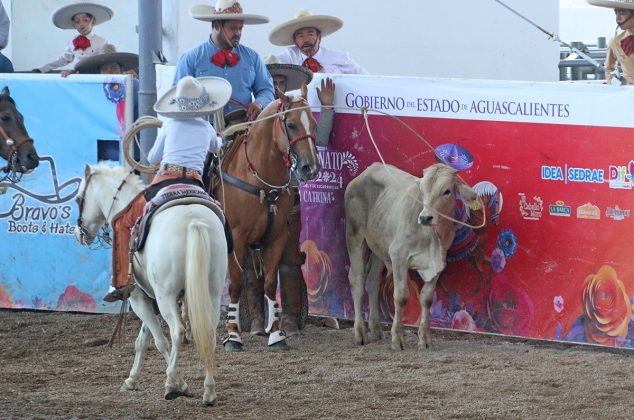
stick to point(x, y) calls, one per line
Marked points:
point(282, 34)
point(295, 75)
point(108, 54)
point(613, 4)
point(194, 97)
point(454, 155)
point(63, 17)
point(225, 10)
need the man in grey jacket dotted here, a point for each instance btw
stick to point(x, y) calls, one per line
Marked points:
point(5, 64)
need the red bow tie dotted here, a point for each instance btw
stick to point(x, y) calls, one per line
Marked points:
point(627, 44)
point(312, 64)
point(225, 58)
point(81, 43)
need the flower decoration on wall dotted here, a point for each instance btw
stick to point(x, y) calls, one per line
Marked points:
point(507, 242)
point(606, 306)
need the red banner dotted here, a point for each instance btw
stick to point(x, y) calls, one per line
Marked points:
point(552, 261)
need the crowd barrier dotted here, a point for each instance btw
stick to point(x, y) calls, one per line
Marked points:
point(552, 160)
point(73, 121)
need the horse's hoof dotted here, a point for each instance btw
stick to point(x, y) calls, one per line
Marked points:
point(171, 394)
point(128, 385)
point(233, 346)
point(280, 345)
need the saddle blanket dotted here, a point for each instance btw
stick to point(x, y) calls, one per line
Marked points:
point(172, 195)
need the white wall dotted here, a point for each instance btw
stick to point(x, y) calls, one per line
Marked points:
point(579, 21)
point(450, 38)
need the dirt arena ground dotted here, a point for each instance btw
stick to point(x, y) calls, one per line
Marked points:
point(57, 365)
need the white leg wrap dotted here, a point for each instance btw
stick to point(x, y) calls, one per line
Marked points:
point(276, 337)
point(232, 336)
point(233, 315)
point(274, 314)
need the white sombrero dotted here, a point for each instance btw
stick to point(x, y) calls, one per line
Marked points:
point(282, 34)
point(295, 75)
point(63, 17)
point(613, 4)
point(194, 97)
point(225, 10)
point(108, 54)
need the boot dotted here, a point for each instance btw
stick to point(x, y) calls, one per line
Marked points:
point(291, 282)
point(119, 293)
point(255, 301)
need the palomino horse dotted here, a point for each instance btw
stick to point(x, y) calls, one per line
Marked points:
point(254, 192)
point(185, 251)
point(16, 146)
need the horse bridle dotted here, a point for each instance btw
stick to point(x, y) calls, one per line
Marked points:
point(11, 168)
point(104, 237)
point(288, 157)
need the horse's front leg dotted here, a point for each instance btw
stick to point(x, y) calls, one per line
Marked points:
point(232, 341)
point(142, 306)
point(272, 255)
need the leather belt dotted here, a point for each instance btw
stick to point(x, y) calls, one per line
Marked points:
point(169, 169)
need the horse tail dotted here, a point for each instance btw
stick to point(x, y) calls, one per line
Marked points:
point(200, 307)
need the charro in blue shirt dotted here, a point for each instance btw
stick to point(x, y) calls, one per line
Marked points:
point(249, 78)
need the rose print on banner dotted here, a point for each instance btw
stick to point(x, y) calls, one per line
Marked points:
point(606, 307)
point(5, 298)
point(508, 308)
point(317, 272)
point(75, 300)
point(462, 320)
point(412, 308)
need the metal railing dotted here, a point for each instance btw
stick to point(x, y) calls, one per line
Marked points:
point(573, 67)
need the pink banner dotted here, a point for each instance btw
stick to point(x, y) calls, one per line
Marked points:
point(552, 261)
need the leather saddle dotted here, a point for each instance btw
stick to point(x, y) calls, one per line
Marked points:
point(169, 196)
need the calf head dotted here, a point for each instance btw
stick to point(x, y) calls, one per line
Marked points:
point(437, 191)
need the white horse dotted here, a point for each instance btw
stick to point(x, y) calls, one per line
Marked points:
point(186, 250)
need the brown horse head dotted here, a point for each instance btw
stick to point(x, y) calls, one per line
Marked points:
point(15, 142)
point(299, 141)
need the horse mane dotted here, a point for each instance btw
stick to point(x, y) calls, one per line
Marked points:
point(119, 173)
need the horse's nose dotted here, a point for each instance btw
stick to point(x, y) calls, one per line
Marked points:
point(310, 171)
point(425, 220)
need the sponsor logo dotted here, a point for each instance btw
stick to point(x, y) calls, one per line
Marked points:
point(531, 210)
point(620, 177)
point(559, 209)
point(588, 211)
point(572, 174)
point(616, 213)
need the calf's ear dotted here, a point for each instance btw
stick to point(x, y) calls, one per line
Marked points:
point(468, 195)
point(87, 171)
point(414, 191)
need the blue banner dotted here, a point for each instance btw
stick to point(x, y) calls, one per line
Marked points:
point(73, 121)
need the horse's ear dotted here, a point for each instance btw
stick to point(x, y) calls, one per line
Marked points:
point(5, 91)
point(304, 90)
point(285, 100)
point(87, 171)
point(279, 93)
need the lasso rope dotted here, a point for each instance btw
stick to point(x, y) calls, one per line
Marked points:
point(153, 122)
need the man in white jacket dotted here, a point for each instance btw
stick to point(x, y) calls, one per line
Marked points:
point(303, 35)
